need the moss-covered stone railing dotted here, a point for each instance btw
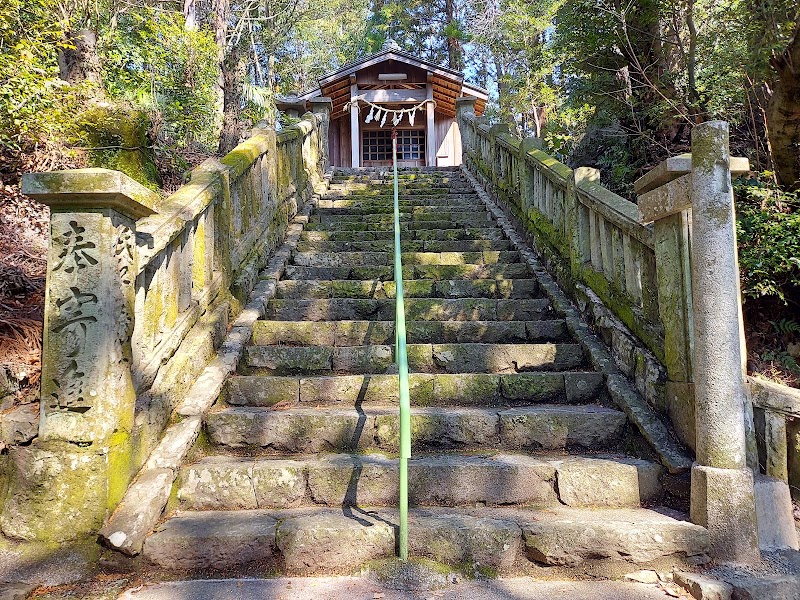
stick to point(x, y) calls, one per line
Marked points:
point(592, 241)
point(140, 292)
point(659, 281)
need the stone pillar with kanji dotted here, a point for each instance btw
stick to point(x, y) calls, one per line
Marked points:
point(80, 464)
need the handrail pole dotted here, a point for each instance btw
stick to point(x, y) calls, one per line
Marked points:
point(401, 357)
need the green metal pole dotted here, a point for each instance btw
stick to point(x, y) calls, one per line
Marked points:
point(401, 357)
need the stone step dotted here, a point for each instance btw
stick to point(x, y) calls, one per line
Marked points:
point(353, 204)
point(326, 540)
point(467, 233)
point(416, 309)
point(405, 245)
point(361, 333)
point(472, 218)
point(412, 288)
point(422, 358)
point(405, 226)
point(426, 389)
point(355, 259)
point(303, 430)
point(386, 272)
point(235, 483)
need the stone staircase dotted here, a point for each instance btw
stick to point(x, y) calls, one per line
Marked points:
point(521, 460)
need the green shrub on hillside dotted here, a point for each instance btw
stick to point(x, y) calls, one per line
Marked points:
point(768, 229)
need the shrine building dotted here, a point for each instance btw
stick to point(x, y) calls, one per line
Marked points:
point(390, 89)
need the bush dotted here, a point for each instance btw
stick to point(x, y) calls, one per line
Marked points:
point(768, 229)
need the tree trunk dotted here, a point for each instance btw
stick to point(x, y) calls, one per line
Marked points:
point(783, 114)
point(189, 15)
point(454, 55)
point(235, 71)
point(81, 63)
point(221, 14)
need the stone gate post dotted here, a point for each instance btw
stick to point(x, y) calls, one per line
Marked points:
point(690, 198)
point(80, 465)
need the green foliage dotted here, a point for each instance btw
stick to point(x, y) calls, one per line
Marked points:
point(152, 61)
point(768, 229)
point(34, 103)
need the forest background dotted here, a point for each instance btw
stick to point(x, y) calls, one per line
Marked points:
point(153, 87)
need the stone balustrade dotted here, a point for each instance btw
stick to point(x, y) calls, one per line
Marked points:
point(592, 241)
point(659, 282)
point(140, 292)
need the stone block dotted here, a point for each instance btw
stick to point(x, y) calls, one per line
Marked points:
point(703, 587)
point(617, 483)
point(363, 359)
point(466, 389)
point(345, 480)
point(218, 483)
point(441, 428)
point(279, 483)
point(331, 542)
point(287, 360)
point(556, 427)
point(460, 539)
point(776, 525)
point(583, 387)
point(212, 540)
point(719, 498)
point(261, 390)
point(139, 511)
point(57, 493)
point(19, 425)
point(571, 536)
point(533, 387)
point(293, 430)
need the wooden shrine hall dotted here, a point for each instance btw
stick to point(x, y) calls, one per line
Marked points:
point(392, 89)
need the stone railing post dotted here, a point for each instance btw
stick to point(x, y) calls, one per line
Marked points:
point(494, 158)
point(702, 320)
point(87, 389)
point(321, 107)
point(466, 106)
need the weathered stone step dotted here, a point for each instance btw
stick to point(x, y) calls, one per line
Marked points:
point(353, 204)
point(386, 273)
point(354, 259)
point(362, 333)
point(234, 483)
point(408, 195)
point(303, 430)
point(417, 309)
point(405, 226)
point(412, 288)
point(467, 233)
point(437, 213)
point(405, 245)
point(422, 358)
point(326, 540)
point(426, 389)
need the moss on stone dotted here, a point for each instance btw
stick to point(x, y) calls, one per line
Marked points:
point(117, 138)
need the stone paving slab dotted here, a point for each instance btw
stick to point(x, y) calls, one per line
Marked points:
point(353, 588)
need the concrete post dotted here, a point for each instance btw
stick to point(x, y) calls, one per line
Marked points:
point(81, 459)
point(322, 107)
point(722, 496)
